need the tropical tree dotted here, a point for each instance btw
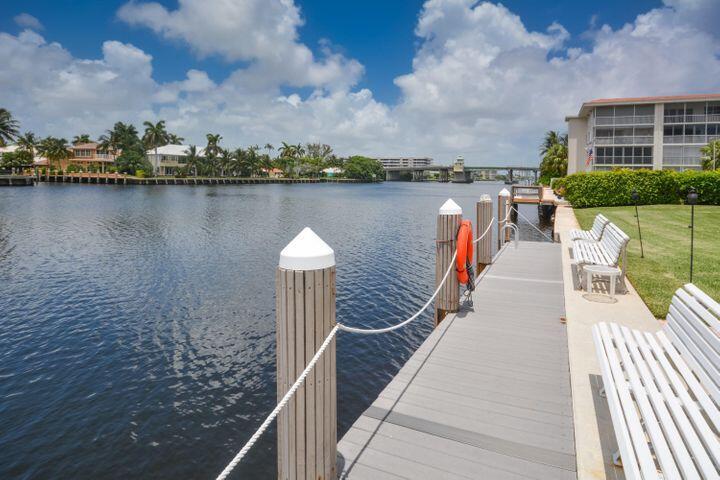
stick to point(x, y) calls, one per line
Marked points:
point(363, 168)
point(711, 155)
point(552, 138)
point(28, 143)
point(213, 144)
point(269, 148)
point(155, 135)
point(287, 159)
point(225, 161)
point(554, 163)
point(175, 139)
point(318, 156)
point(193, 159)
point(9, 127)
point(121, 137)
point(55, 150)
point(82, 138)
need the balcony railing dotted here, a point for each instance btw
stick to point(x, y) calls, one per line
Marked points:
point(686, 139)
point(681, 161)
point(636, 140)
point(691, 118)
point(626, 120)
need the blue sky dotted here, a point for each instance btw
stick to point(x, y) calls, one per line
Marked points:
point(380, 34)
point(438, 78)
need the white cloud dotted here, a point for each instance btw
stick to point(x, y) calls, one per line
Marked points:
point(25, 20)
point(260, 31)
point(481, 84)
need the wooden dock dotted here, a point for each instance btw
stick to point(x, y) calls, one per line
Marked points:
point(17, 181)
point(534, 194)
point(487, 395)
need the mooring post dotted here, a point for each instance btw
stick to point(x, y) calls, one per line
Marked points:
point(305, 313)
point(483, 209)
point(448, 222)
point(503, 216)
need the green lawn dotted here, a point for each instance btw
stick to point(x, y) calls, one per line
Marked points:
point(666, 238)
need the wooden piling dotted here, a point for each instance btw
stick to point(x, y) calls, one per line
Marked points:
point(448, 222)
point(483, 209)
point(503, 216)
point(305, 313)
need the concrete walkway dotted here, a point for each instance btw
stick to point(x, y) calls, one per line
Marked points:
point(594, 437)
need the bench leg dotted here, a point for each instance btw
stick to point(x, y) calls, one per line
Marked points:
point(613, 281)
point(588, 281)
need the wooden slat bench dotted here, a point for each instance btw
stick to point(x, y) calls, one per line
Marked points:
point(609, 251)
point(663, 390)
point(595, 233)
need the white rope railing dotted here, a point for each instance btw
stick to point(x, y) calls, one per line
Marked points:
point(301, 379)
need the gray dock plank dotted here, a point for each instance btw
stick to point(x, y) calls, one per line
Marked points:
point(487, 395)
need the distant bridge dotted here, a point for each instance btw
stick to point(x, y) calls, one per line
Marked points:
point(461, 175)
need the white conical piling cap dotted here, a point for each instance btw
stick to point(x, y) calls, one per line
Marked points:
point(504, 193)
point(450, 208)
point(485, 198)
point(307, 251)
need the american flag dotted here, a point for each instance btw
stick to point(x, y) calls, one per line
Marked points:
point(589, 156)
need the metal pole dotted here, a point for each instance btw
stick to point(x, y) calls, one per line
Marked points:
point(692, 238)
point(637, 216)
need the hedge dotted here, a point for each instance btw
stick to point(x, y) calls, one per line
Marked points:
point(614, 188)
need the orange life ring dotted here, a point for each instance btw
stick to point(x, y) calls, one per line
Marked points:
point(464, 251)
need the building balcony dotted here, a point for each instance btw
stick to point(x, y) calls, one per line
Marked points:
point(626, 120)
point(636, 140)
point(694, 139)
point(691, 118)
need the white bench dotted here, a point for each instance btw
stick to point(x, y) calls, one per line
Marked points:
point(663, 390)
point(595, 233)
point(610, 251)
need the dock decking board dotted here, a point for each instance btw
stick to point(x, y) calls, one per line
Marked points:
point(487, 395)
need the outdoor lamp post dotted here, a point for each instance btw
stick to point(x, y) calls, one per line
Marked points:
point(692, 198)
point(635, 196)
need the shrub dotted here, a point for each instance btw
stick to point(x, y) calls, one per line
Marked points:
point(140, 173)
point(706, 184)
point(614, 188)
point(559, 186)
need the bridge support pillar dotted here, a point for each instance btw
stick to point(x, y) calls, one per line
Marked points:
point(418, 175)
point(443, 176)
point(305, 315)
point(448, 223)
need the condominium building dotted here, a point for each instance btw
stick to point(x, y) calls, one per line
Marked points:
point(407, 162)
point(646, 132)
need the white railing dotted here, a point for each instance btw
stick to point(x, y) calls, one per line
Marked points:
point(685, 139)
point(636, 140)
point(701, 118)
point(626, 120)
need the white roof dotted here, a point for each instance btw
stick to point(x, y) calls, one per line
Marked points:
point(179, 150)
point(8, 149)
point(333, 170)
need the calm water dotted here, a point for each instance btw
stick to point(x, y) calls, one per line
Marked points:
point(137, 323)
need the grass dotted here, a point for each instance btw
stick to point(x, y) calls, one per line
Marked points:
point(666, 241)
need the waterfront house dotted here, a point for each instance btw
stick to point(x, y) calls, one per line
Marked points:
point(646, 132)
point(332, 171)
point(88, 156)
point(166, 160)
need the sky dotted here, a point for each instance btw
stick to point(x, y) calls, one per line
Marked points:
point(438, 78)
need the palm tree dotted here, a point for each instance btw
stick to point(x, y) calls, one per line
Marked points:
point(213, 147)
point(155, 135)
point(552, 138)
point(193, 159)
point(175, 139)
point(225, 161)
point(27, 143)
point(269, 149)
point(55, 150)
point(9, 127)
point(82, 138)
